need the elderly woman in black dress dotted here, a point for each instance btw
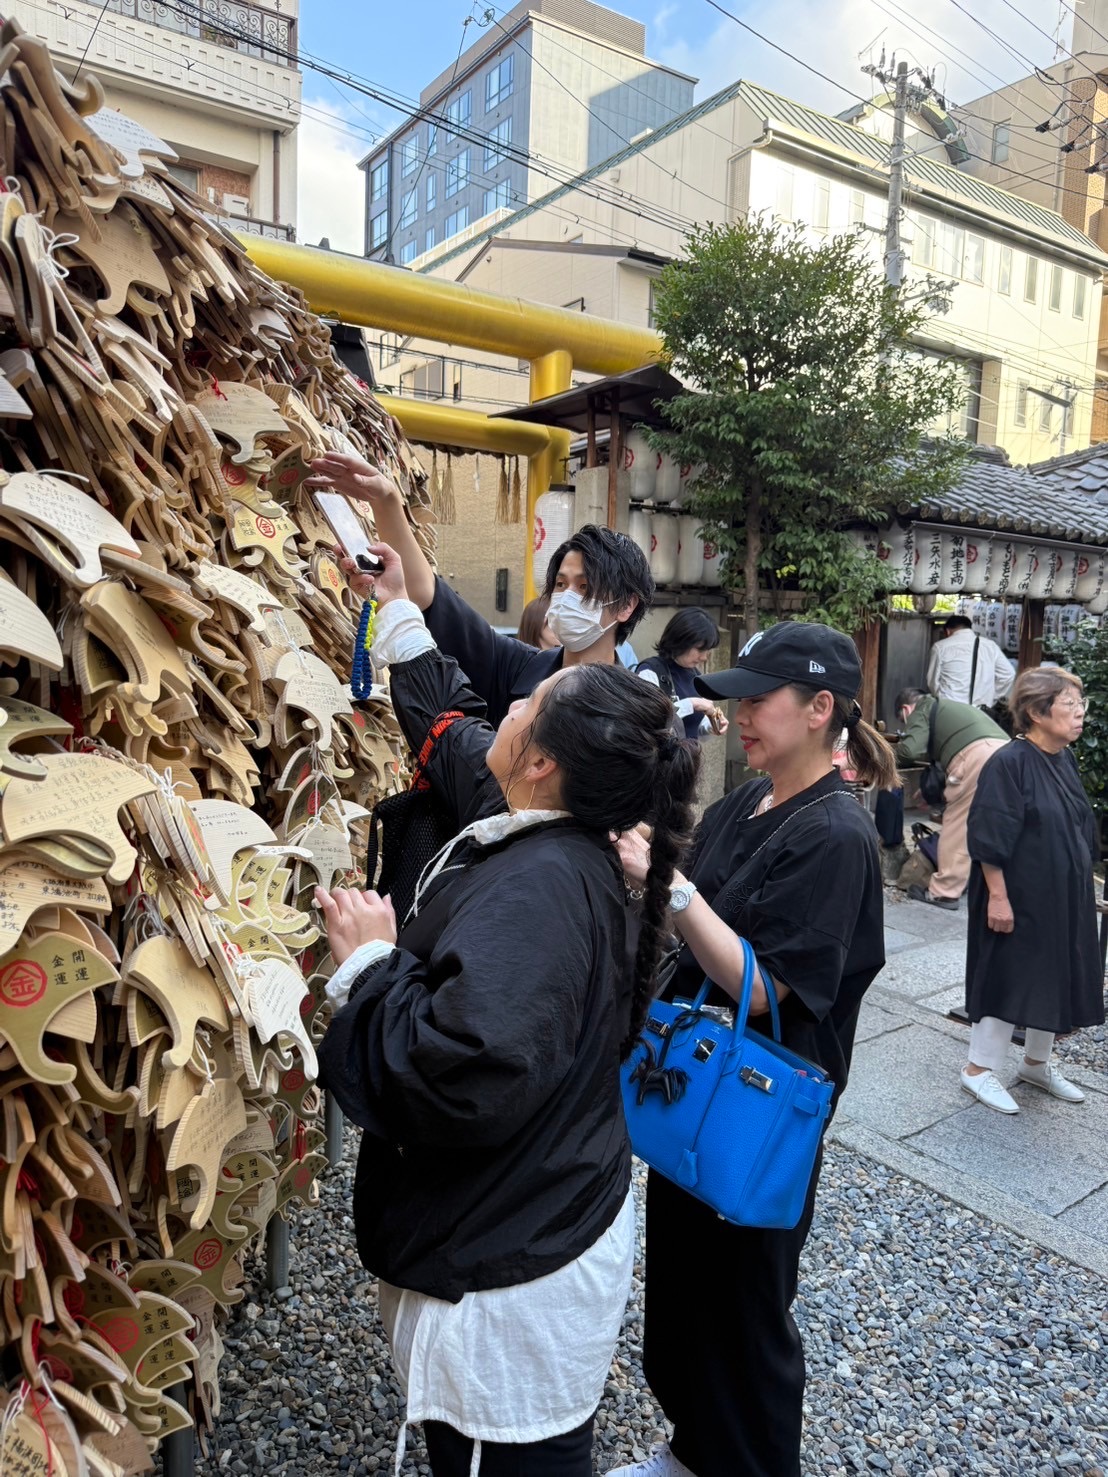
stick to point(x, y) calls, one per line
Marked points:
point(1033, 957)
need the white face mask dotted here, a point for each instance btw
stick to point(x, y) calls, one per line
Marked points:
point(576, 621)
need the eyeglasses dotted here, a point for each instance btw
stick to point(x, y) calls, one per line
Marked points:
point(1071, 705)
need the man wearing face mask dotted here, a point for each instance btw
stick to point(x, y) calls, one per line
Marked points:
point(598, 582)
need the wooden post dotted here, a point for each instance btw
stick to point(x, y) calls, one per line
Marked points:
point(1031, 634)
point(868, 642)
point(590, 431)
point(615, 457)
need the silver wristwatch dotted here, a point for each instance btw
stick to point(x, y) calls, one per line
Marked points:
point(681, 896)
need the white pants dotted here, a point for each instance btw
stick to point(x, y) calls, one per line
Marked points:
point(990, 1039)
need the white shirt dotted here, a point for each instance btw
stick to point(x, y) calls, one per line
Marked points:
point(514, 1364)
point(948, 671)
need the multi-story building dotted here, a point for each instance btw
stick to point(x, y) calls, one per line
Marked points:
point(1025, 283)
point(550, 90)
point(217, 80)
point(1045, 138)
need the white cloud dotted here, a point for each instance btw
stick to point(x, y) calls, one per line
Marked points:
point(331, 187)
point(831, 36)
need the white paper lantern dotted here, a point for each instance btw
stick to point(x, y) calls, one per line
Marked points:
point(663, 547)
point(1013, 618)
point(641, 460)
point(638, 527)
point(690, 551)
point(927, 576)
point(994, 620)
point(978, 548)
point(668, 484)
point(552, 526)
point(1090, 576)
point(954, 563)
point(897, 548)
point(1003, 558)
point(1065, 580)
point(710, 573)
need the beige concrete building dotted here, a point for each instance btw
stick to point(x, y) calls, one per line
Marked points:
point(1024, 301)
point(218, 80)
point(551, 89)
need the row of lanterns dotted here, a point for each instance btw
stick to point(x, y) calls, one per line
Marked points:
point(931, 561)
point(1000, 622)
point(670, 540)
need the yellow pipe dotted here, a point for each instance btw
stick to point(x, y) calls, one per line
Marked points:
point(358, 291)
point(447, 425)
point(550, 375)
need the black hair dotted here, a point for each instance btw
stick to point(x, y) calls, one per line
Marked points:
point(908, 697)
point(957, 623)
point(616, 571)
point(869, 754)
point(688, 628)
point(611, 735)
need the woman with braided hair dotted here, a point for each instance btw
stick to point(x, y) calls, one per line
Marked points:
point(790, 862)
point(479, 1049)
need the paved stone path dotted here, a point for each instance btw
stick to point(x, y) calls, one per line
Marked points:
point(1042, 1172)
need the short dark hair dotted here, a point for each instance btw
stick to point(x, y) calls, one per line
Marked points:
point(908, 697)
point(957, 623)
point(687, 629)
point(616, 571)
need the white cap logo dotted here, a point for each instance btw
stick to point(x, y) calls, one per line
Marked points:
point(815, 667)
point(751, 644)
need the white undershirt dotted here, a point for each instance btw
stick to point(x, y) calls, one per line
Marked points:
point(514, 1364)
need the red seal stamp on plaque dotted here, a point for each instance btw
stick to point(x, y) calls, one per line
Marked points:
point(266, 526)
point(207, 1254)
point(22, 983)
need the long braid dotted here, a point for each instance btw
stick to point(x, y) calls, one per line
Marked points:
point(673, 816)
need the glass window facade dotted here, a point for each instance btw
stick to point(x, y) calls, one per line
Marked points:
point(499, 82)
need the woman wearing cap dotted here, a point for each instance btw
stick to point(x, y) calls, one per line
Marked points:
point(790, 862)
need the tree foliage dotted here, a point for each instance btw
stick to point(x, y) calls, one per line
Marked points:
point(807, 408)
point(1088, 659)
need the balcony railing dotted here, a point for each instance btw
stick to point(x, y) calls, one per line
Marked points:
point(241, 27)
point(254, 227)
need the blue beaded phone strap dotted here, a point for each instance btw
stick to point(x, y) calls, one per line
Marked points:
point(361, 672)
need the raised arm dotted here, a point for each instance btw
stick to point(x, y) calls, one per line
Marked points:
point(356, 478)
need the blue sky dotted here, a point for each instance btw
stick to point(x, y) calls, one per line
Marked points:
point(401, 46)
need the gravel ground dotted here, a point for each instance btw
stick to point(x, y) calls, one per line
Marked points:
point(937, 1343)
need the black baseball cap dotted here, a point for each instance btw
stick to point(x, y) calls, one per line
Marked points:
point(792, 651)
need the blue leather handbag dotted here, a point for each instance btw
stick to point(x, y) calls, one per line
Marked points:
point(728, 1114)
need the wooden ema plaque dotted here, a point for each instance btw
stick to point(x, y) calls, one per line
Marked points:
point(184, 993)
point(226, 829)
point(80, 798)
point(237, 590)
point(20, 722)
point(24, 630)
point(27, 886)
point(65, 524)
point(240, 414)
point(200, 1139)
point(37, 980)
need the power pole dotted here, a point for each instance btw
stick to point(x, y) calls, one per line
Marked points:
point(894, 256)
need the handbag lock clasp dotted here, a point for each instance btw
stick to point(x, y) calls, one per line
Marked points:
point(753, 1078)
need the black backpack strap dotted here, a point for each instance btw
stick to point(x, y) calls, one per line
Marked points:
point(973, 670)
point(931, 720)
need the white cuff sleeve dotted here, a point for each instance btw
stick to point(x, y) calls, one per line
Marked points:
point(340, 983)
point(399, 634)
point(684, 707)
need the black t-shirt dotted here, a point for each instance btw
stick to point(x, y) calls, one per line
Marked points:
point(803, 883)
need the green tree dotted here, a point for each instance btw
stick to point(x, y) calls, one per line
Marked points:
point(1088, 659)
point(808, 408)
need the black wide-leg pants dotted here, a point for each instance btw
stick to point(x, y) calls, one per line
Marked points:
point(722, 1353)
point(569, 1455)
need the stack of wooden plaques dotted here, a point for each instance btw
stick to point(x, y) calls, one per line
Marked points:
point(180, 764)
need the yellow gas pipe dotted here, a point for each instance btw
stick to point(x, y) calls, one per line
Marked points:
point(555, 341)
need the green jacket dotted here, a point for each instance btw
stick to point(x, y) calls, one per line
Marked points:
point(957, 726)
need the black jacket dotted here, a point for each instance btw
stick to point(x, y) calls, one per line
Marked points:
point(481, 1058)
point(500, 668)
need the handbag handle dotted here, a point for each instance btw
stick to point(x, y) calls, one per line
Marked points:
point(751, 969)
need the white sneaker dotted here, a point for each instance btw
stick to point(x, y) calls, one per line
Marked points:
point(1048, 1077)
point(987, 1088)
point(660, 1463)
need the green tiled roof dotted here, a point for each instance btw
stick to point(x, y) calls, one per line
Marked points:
point(1036, 220)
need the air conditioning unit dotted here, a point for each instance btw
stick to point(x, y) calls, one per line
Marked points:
point(236, 204)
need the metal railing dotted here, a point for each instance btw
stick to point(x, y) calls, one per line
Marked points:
point(239, 26)
point(255, 227)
